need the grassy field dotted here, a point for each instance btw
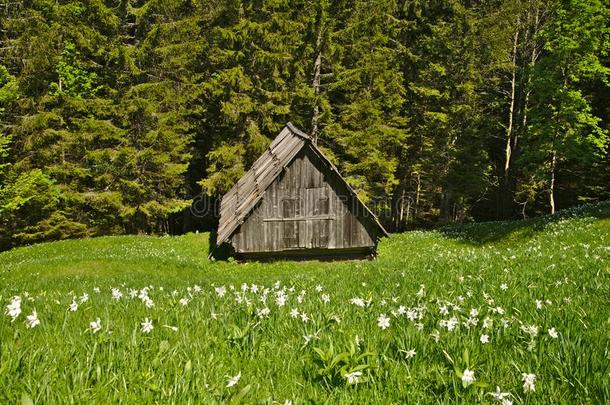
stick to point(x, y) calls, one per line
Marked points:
point(444, 316)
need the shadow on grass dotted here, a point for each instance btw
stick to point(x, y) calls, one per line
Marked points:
point(514, 231)
point(222, 252)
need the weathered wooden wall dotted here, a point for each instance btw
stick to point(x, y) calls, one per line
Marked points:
point(307, 207)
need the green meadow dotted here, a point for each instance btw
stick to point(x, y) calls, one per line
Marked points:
point(442, 316)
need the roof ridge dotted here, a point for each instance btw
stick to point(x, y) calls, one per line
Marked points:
point(297, 131)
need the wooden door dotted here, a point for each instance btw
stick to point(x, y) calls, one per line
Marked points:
point(292, 224)
point(318, 218)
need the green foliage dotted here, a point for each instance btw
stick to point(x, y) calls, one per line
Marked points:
point(433, 111)
point(73, 80)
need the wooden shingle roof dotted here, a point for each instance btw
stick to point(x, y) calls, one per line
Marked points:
point(241, 199)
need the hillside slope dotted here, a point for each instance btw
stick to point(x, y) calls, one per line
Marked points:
point(439, 292)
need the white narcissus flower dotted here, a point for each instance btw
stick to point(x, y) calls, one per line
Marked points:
point(504, 286)
point(553, 333)
point(500, 396)
point(484, 339)
point(234, 380)
point(304, 317)
point(32, 320)
point(383, 321)
point(147, 325)
point(468, 377)
point(353, 378)
point(73, 306)
point(184, 302)
point(84, 298)
point(95, 326)
point(294, 313)
point(14, 308)
point(116, 294)
point(325, 298)
point(528, 382)
point(357, 301)
point(220, 291)
point(410, 353)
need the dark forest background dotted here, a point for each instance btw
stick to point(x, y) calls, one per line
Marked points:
point(116, 114)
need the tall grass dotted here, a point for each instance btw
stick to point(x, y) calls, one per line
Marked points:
point(520, 277)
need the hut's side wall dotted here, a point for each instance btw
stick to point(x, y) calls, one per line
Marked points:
point(307, 207)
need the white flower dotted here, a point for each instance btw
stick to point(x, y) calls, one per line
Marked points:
point(484, 339)
point(474, 312)
point(450, 324)
point(410, 353)
point(234, 380)
point(422, 291)
point(147, 325)
point(73, 307)
point(196, 288)
point(308, 338)
point(263, 312)
point(14, 308)
point(487, 323)
point(319, 288)
point(133, 293)
point(280, 300)
point(304, 317)
point(32, 320)
point(353, 378)
point(95, 326)
point(538, 304)
point(254, 288)
point(84, 298)
point(96, 290)
point(359, 302)
point(383, 321)
point(468, 377)
point(184, 302)
point(531, 330)
point(528, 382)
point(116, 294)
point(294, 313)
point(504, 286)
point(500, 396)
point(553, 333)
point(444, 310)
point(148, 302)
point(143, 293)
point(325, 298)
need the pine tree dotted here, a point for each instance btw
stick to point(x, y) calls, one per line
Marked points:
point(367, 98)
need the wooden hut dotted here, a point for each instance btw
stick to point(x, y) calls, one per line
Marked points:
point(294, 203)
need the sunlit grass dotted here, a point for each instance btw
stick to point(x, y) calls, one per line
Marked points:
point(552, 272)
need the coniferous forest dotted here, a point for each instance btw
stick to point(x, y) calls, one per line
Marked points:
point(116, 114)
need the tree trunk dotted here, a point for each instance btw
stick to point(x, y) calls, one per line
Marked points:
point(317, 66)
point(511, 110)
point(506, 199)
point(552, 185)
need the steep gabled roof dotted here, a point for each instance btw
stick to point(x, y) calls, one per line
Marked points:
point(241, 199)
